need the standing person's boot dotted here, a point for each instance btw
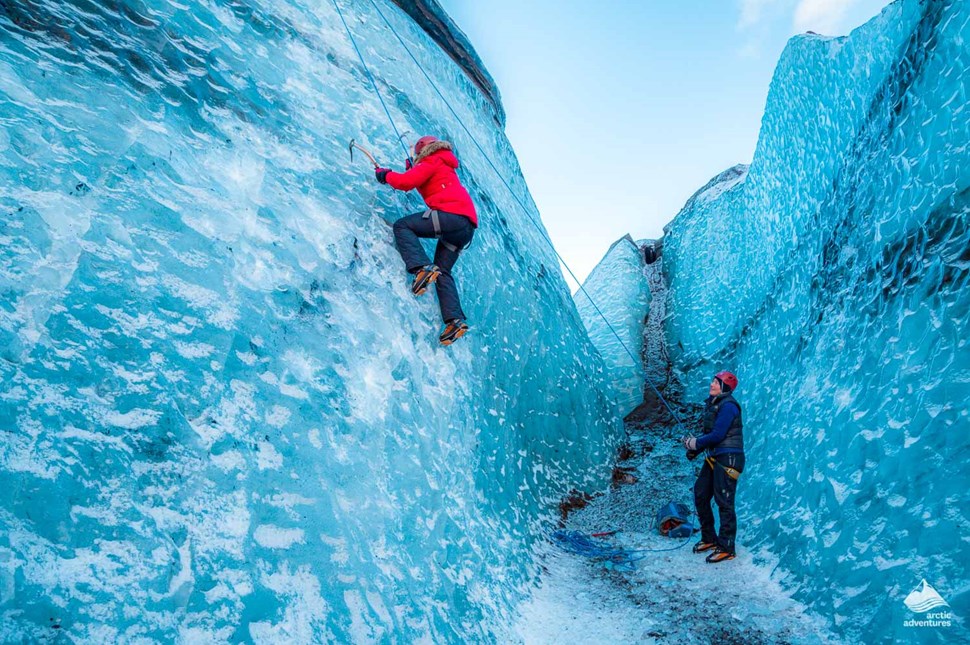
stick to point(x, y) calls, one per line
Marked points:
point(720, 555)
point(424, 278)
point(454, 330)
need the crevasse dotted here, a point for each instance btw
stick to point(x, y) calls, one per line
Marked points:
point(224, 417)
point(836, 286)
point(611, 304)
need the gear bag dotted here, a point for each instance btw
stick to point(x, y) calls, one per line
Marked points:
point(673, 520)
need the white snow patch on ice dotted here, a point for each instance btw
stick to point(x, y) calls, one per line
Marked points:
point(133, 419)
point(720, 188)
point(276, 537)
point(267, 457)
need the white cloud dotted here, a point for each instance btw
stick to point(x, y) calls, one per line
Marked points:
point(822, 16)
point(751, 11)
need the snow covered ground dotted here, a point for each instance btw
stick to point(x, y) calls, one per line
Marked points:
point(671, 596)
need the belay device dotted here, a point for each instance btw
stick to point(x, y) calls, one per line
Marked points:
point(673, 520)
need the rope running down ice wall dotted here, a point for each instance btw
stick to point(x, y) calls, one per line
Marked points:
point(525, 209)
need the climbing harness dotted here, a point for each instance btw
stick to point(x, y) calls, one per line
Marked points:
point(436, 223)
point(730, 472)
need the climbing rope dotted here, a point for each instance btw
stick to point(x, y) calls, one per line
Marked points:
point(582, 544)
point(370, 77)
point(613, 556)
point(405, 198)
point(525, 209)
point(508, 187)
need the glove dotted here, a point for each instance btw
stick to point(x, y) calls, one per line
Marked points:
point(408, 164)
point(690, 443)
point(381, 174)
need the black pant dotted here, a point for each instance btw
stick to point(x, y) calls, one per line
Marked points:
point(713, 483)
point(456, 230)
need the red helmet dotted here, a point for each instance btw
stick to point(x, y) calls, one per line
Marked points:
point(422, 142)
point(728, 379)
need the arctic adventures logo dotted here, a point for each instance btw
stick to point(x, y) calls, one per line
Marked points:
point(923, 600)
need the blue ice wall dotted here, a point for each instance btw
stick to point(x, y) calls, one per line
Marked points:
point(224, 418)
point(841, 299)
point(704, 268)
point(612, 304)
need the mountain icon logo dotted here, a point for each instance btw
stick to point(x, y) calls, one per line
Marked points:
point(924, 598)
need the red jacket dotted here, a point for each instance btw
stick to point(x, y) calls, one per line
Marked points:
point(435, 178)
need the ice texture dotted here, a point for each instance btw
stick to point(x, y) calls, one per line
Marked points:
point(436, 22)
point(611, 304)
point(224, 416)
point(834, 280)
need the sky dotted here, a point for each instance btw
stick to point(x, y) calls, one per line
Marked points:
point(619, 110)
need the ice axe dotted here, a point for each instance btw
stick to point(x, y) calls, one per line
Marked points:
point(354, 144)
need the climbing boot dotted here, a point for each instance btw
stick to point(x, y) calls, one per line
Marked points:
point(454, 330)
point(424, 278)
point(703, 546)
point(720, 555)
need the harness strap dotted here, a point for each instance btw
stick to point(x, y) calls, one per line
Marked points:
point(436, 223)
point(730, 472)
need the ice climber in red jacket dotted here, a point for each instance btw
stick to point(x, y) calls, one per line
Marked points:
point(450, 217)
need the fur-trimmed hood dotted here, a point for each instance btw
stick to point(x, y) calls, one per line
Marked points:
point(434, 174)
point(431, 148)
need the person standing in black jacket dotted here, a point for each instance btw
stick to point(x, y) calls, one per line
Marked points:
point(718, 479)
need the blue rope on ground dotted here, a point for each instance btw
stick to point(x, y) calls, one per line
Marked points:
point(582, 544)
point(525, 209)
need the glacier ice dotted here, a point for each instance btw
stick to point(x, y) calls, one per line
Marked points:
point(611, 304)
point(224, 417)
point(837, 288)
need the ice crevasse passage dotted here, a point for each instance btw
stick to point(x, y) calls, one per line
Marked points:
point(832, 275)
point(612, 303)
point(841, 300)
point(224, 417)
